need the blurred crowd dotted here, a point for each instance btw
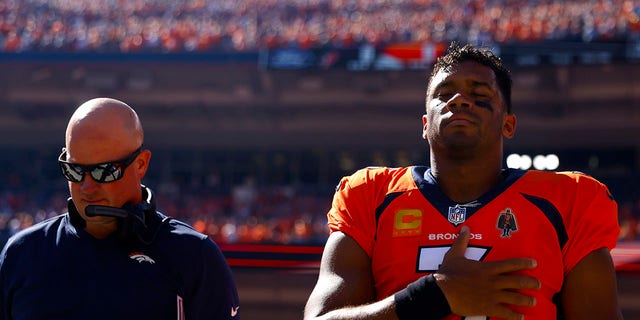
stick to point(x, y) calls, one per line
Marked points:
point(629, 218)
point(282, 214)
point(249, 25)
point(246, 213)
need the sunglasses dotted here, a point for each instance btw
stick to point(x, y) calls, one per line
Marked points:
point(102, 172)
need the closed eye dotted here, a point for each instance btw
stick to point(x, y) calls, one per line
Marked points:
point(444, 96)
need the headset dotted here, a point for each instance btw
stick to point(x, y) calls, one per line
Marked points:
point(135, 221)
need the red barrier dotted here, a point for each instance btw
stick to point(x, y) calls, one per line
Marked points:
point(626, 256)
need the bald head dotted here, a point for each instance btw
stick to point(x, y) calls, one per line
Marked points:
point(100, 131)
point(105, 122)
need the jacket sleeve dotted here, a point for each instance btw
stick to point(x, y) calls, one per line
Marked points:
point(3, 303)
point(210, 289)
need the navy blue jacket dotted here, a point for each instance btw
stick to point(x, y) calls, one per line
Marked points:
point(56, 270)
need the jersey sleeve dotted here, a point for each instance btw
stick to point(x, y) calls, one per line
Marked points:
point(211, 291)
point(353, 209)
point(593, 223)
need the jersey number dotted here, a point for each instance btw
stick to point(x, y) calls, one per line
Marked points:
point(430, 258)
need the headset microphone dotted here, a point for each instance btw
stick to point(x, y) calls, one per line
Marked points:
point(134, 220)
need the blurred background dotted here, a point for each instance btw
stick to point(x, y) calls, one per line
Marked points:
point(254, 109)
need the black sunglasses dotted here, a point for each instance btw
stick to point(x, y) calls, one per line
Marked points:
point(102, 172)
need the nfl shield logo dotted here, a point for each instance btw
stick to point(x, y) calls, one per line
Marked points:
point(457, 215)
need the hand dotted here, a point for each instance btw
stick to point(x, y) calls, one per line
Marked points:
point(484, 288)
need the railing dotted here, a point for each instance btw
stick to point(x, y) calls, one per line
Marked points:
point(626, 256)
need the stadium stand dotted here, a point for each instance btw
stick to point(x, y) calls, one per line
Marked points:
point(249, 25)
point(290, 204)
point(296, 202)
point(257, 165)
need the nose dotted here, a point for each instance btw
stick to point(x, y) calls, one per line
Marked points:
point(88, 183)
point(458, 101)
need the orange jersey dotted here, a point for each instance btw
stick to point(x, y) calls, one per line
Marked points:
point(404, 222)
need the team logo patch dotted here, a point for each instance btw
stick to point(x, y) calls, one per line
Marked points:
point(507, 223)
point(141, 257)
point(408, 222)
point(457, 215)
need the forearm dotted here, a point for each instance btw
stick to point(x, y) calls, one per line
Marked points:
point(380, 310)
point(421, 299)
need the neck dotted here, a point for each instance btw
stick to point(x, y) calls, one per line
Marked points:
point(463, 183)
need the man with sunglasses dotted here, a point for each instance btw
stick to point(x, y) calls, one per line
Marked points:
point(112, 256)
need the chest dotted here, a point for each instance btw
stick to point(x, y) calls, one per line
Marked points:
point(413, 234)
point(95, 282)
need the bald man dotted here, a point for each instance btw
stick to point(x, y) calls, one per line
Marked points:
point(112, 255)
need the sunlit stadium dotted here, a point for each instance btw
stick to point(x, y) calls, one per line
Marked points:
point(254, 110)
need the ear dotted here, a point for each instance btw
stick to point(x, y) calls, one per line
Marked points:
point(424, 126)
point(142, 163)
point(509, 126)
